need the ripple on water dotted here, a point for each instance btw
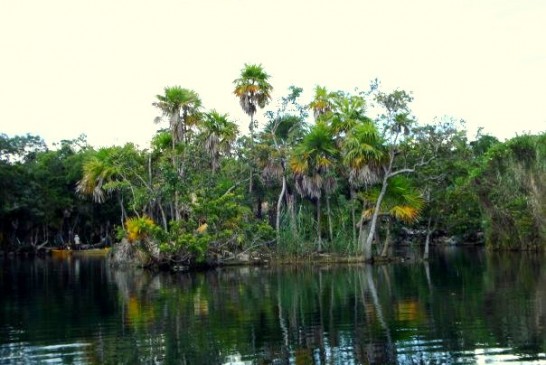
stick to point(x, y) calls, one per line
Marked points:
point(25, 353)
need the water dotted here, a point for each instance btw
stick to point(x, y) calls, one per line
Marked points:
point(464, 307)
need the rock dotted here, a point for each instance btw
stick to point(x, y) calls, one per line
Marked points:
point(243, 257)
point(126, 254)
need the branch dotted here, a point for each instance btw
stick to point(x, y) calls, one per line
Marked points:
point(234, 186)
point(408, 170)
point(401, 171)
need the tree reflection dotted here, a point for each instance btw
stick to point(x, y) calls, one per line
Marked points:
point(461, 306)
point(357, 314)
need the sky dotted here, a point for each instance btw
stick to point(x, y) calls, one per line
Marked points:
point(69, 67)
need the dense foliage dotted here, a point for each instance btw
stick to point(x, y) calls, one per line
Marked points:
point(319, 177)
point(511, 187)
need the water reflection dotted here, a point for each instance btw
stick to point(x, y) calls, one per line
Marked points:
point(463, 307)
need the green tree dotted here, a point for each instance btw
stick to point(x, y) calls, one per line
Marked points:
point(283, 131)
point(322, 102)
point(119, 170)
point(312, 162)
point(254, 91)
point(401, 202)
point(397, 123)
point(510, 184)
point(363, 155)
point(219, 135)
point(182, 107)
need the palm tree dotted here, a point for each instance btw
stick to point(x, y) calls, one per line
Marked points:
point(254, 91)
point(220, 133)
point(312, 163)
point(322, 102)
point(401, 202)
point(97, 173)
point(284, 130)
point(102, 175)
point(363, 155)
point(348, 111)
point(181, 106)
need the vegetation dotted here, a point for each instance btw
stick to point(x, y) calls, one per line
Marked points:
point(339, 182)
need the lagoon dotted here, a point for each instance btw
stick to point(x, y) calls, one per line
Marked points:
point(465, 306)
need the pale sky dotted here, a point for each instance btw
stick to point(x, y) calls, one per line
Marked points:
point(71, 66)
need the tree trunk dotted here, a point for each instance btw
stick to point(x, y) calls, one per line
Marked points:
point(362, 233)
point(163, 216)
point(290, 203)
point(385, 251)
point(251, 162)
point(367, 249)
point(279, 206)
point(329, 213)
point(427, 240)
point(318, 226)
point(123, 213)
point(177, 215)
point(353, 215)
point(259, 213)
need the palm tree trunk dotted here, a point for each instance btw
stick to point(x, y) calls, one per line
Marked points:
point(385, 250)
point(318, 226)
point(329, 213)
point(291, 206)
point(353, 215)
point(427, 240)
point(279, 206)
point(251, 129)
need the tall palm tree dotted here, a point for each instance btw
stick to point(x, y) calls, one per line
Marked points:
point(312, 163)
point(220, 133)
point(322, 102)
point(254, 91)
point(363, 155)
point(284, 131)
point(181, 106)
point(347, 112)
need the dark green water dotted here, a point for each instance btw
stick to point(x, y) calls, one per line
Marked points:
point(463, 307)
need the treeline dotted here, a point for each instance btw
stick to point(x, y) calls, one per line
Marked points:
point(319, 177)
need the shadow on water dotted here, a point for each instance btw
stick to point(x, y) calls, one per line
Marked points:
point(464, 306)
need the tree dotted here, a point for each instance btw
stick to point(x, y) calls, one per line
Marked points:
point(348, 112)
point(312, 164)
point(363, 155)
point(450, 207)
point(510, 183)
point(397, 123)
point(115, 169)
point(181, 106)
point(401, 202)
point(322, 102)
point(219, 135)
point(285, 129)
point(254, 91)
